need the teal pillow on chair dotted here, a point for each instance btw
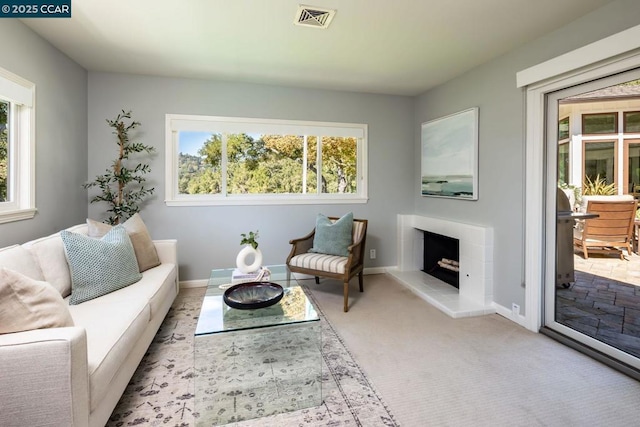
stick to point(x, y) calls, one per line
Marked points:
point(99, 266)
point(333, 238)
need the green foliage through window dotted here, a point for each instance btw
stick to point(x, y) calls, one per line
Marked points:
point(4, 150)
point(266, 164)
point(599, 123)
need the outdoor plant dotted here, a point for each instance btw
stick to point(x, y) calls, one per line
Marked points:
point(122, 185)
point(250, 239)
point(598, 187)
point(577, 192)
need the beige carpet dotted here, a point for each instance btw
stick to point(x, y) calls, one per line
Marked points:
point(433, 370)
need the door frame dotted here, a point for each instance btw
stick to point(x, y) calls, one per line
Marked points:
point(614, 54)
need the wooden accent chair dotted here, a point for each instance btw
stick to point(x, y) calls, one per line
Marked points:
point(610, 231)
point(300, 260)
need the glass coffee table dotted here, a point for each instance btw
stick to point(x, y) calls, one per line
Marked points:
point(254, 363)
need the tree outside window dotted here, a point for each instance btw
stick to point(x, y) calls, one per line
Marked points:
point(4, 151)
point(269, 164)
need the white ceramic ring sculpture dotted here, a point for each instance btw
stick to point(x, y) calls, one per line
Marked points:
point(241, 259)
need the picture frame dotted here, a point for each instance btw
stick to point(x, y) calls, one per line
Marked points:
point(449, 165)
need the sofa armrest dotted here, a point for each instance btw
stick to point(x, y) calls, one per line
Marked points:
point(44, 378)
point(167, 250)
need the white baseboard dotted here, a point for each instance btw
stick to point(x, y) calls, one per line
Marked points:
point(506, 312)
point(376, 270)
point(186, 284)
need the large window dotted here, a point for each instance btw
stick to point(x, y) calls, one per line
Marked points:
point(632, 155)
point(599, 123)
point(631, 121)
point(5, 108)
point(563, 163)
point(600, 161)
point(222, 160)
point(563, 129)
point(17, 184)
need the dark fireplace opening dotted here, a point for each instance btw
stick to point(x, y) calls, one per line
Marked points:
point(441, 258)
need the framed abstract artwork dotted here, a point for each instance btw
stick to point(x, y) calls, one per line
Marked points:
point(449, 165)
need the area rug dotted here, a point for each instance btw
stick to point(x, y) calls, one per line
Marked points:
point(162, 390)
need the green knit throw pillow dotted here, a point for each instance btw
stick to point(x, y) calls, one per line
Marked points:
point(99, 266)
point(333, 238)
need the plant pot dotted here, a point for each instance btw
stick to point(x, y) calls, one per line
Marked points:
point(241, 259)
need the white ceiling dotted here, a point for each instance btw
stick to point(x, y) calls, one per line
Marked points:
point(399, 47)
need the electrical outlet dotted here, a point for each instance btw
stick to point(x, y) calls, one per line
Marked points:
point(515, 309)
point(372, 254)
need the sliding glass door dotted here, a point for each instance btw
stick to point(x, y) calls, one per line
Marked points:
point(592, 285)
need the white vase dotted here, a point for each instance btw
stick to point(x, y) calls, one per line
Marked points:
point(241, 259)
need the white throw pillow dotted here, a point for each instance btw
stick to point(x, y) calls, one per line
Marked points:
point(27, 304)
point(143, 246)
point(49, 251)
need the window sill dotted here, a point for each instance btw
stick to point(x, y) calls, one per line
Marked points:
point(17, 215)
point(257, 201)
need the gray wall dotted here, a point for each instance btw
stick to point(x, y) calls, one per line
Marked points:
point(492, 88)
point(61, 132)
point(209, 237)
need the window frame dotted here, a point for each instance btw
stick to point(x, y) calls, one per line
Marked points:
point(177, 122)
point(561, 145)
point(20, 93)
point(604, 113)
point(585, 143)
point(625, 121)
point(627, 145)
point(560, 122)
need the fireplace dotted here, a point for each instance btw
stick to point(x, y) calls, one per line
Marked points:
point(474, 297)
point(441, 258)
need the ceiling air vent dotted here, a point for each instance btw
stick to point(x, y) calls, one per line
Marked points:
point(312, 16)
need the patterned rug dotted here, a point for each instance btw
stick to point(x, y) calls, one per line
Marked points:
point(162, 390)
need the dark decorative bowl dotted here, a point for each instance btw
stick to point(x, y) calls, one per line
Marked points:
point(245, 296)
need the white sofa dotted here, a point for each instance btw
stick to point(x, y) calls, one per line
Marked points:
point(75, 376)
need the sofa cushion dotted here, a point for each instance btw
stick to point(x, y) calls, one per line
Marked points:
point(99, 267)
point(145, 250)
point(112, 329)
point(154, 287)
point(320, 262)
point(333, 238)
point(17, 258)
point(27, 304)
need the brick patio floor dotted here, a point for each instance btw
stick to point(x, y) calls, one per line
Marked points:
point(604, 301)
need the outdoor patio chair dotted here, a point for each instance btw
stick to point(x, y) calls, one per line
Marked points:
point(610, 231)
point(343, 268)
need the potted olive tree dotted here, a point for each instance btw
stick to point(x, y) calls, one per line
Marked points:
point(122, 185)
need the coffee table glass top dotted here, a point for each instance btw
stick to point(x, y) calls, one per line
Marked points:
point(217, 317)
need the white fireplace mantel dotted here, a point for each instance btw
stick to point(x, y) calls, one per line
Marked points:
point(475, 295)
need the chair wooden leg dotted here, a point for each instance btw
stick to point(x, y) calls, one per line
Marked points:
point(317, 280)
point(584, 250)
point(360, 281)
point(346, 296)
